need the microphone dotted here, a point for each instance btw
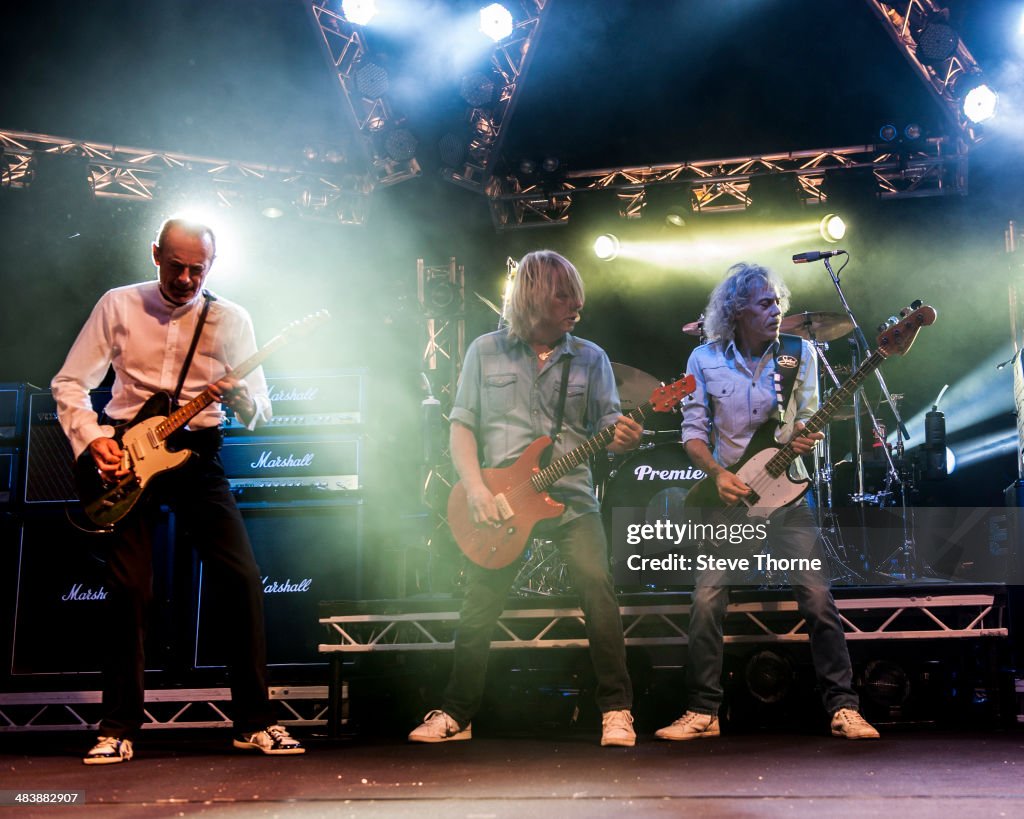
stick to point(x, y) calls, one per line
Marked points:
point(814, 255)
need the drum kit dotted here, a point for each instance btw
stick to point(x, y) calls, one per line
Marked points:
point(658, 475)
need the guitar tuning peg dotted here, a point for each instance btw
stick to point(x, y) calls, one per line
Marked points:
point(904, 312)
point(915, 304)
point(893, 321)
point(883, 326)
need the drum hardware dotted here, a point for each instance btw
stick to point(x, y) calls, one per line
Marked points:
point(543, 572)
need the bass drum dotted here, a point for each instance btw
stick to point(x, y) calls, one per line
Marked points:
point(656, 480)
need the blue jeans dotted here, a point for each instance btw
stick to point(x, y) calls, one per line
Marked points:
point(584, 549)
point(792, 534)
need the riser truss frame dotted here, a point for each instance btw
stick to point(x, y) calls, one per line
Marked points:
point(910, 618)
point(305, 706)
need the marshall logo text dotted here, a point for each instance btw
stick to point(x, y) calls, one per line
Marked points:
point(268, 460)
point(78, 593)
point(287, 587)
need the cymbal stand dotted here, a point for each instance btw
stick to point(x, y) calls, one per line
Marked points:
point(907, 549)
point(836, 552)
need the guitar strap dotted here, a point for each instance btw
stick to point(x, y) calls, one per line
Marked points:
point(192, 348)
point(560, 412)
point(787, 365)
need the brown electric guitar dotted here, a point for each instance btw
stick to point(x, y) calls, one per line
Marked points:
point(519, 489)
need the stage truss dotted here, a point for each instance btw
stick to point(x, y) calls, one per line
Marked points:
point(937, 167)
point(323, 191)
point(930, 617)
point(296, 706)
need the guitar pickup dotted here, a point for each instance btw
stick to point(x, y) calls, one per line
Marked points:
point(504, 507)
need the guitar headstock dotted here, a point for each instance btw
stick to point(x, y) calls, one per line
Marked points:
point(305, 325)
point(666, 398)
point(897, 334)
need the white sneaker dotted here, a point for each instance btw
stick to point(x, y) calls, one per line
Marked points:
point(109, 750)
point(849, 724)
point(691, 725)
point(617, 729)
point(440, 727)
point(273, 740)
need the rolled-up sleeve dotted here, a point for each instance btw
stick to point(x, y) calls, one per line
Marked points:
point(696, 424)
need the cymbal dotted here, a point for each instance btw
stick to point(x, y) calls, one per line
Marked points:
point(635, 386)
point(845, 412)
point(820, 326)
point(694, 328)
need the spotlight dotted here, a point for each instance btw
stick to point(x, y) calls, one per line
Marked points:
point(527, 167)
point(769, 676)
point(372, 80)
point(400, 145)
point(950, 461)
point(476, 89)
point(359, 12)
point(832, 228)
point(912, 131)
point(550, 164)
point(888, 132)
point(496, 21)
point(273, 208)
point(606, 247)
point(980, 103)
point(452, 149)
point(676, 215)
point(936, 42)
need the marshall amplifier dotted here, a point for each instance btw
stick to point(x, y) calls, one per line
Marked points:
point(48, 457)
point(305, 556)
point(332, 399)
point(59, 612)
point(12, 416)
point(285, 469)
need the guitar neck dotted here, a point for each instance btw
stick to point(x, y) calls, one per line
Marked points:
point(181, 416)
point(780, 462)
point(570, 460)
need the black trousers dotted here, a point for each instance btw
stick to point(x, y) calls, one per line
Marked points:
point(208, 520)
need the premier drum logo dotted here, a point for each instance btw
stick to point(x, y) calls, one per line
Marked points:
point(646, 472)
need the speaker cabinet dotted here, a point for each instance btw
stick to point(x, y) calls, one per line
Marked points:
point(305, 554)
point(48, 455)
point(59, 612)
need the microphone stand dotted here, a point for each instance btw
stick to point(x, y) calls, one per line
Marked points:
point(907, 548)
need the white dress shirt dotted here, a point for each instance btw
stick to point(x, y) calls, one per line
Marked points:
point(145, 338)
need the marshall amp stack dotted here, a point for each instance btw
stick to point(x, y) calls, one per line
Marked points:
point(297, 480)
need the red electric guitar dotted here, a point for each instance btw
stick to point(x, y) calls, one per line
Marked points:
point(519, 489)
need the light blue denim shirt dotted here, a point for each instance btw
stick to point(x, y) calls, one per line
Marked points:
point(508, 403)
point(739, 400)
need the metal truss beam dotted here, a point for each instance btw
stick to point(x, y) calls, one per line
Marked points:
point(171, 708)
point(912, 618)
point(940, 80)
point(121, 172)
point(488, 125)
point(367, 101)
point(936, 167)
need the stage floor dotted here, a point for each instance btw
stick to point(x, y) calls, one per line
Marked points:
point(914, 771)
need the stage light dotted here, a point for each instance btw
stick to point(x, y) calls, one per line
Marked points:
point(980, 103)
point(476, 89)
point(912, 131)
point(769, 676)
point(606, 247)
point(888, 132)
point(950, 461)
point(372, 80)
point(832, 228)
point(359, 12)
point(937, 41)
point(273, 208)
point(550, 164)
point(496, 21)
point(400, 145)
point(452, 149)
